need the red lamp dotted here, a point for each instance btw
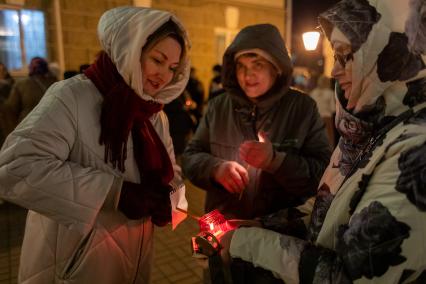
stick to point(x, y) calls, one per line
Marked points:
point(215, 223)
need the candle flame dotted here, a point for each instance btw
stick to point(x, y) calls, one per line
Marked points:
point(261, 136)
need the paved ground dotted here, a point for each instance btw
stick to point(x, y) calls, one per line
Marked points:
point(172, 262)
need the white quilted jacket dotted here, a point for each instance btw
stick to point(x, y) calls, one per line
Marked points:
point(53, 164)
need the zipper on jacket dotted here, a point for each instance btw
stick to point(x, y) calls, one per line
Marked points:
point(253, 118)
point(253, 114)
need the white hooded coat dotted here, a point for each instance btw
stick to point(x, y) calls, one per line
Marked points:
point(53, 164)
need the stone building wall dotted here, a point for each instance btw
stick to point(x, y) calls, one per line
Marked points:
point(79, 24)
point(201, 18)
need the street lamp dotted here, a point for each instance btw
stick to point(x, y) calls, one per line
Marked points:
point(310, 40)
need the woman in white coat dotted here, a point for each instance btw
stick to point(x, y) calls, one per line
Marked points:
point(94, 162)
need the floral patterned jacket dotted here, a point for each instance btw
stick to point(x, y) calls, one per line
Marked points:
point(368, 222)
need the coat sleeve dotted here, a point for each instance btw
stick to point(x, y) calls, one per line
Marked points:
point(269, 250)
point(36, 172)
point(304, 168)
point(197, 160)
point(382, 243)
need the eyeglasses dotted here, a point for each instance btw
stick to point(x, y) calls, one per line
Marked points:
point(343, 58)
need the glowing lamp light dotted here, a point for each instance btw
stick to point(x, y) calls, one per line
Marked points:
point(214, 222)
point(310, 40)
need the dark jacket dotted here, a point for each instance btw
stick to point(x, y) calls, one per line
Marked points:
point(24, 96)
point(289, 117)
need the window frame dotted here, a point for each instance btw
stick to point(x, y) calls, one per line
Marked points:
point(24, 70)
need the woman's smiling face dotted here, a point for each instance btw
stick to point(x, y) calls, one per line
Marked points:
point(159, 65)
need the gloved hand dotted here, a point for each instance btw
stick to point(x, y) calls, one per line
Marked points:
point(141, 200)
point(258, 154)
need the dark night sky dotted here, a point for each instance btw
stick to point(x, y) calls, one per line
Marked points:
point(305, 13)
point(305, 18)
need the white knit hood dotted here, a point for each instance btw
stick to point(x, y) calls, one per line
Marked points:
point(123, 32)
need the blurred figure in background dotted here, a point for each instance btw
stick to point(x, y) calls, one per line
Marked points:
point(196, 92)
point(215, 87)
point(324, 97)
point(27, 92)
point(55, 70)
point(300, 80)
point(6, 83)
point(181, 121)
point(69, 73)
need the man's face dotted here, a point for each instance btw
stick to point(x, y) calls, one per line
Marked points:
point(255, 75)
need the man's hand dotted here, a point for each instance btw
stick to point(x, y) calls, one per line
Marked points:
point(258, 154)
point(232, 176)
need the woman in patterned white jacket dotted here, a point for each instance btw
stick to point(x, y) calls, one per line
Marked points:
point(94, 162)
point(368, 223)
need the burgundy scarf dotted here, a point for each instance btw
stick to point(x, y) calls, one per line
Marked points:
point(124, 111)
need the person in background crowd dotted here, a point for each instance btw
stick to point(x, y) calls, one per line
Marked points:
point(27, 92)
point(368, 223)
point(6, 84)
point(83, 67)
point(55, 70)
point(215, 87)
point(182, 122)
point(94, 162)
point(196, 93)
point(262, 146)
point(69, 73)
point(324, 97)
point(300, 82)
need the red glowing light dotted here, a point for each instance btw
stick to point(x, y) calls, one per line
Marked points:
point(215, 223)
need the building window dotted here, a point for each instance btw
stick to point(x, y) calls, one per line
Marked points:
point(223, 38)
point(22, 37)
